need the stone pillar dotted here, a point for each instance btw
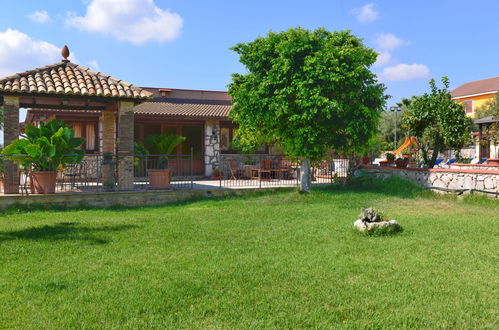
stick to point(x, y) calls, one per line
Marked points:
point(125, 145)
point(108, 124)
point(211, 146)
point(10, 133)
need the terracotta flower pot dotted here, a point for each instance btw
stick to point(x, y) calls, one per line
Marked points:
point(43, 182)
point(493, 161)
point(159, 179)
point(402, 163)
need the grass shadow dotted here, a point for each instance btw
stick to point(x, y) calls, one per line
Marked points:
point(63, 231)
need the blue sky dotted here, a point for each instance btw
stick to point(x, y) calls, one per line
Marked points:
point(185, 44)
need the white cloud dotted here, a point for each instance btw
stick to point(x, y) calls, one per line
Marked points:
point(388, 41)
point(383, 59)
point(401, 72)
point(18, 52)
point(136, 21)
point(39, 16)
point(93, 65)
point(366, 13)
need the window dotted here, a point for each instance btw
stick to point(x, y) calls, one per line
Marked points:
point(90, 140)
point(224, 138)
point(88, 132)
point(227, 135)
point(468, 106)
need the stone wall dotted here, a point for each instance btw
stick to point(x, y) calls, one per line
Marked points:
point(104, 199)
point(211, 145)
point(451, 180)
point(480, 167)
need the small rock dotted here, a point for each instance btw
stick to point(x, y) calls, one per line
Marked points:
point(360, 225)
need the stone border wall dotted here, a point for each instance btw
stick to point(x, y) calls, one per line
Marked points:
point(445, 180)
point(108, 199)
point(480, 167)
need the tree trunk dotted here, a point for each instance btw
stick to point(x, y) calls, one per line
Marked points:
point(436, 150)
point(305, 178)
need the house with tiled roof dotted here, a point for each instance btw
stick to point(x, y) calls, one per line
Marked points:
point(95, 105)
point(476, 94)
point(201, 116)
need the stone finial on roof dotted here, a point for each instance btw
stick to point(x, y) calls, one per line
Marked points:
point(65, 53)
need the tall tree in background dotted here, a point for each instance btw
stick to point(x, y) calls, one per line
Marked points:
point(309, 92)
point(388, 123)
point(438, 122)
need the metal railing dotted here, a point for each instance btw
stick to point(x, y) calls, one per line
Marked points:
point(114, 172)
point(99, 173)
point(262, 171)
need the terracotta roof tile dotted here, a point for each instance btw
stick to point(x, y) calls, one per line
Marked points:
point(69, 78)
point(477, 87)
point(185, 108)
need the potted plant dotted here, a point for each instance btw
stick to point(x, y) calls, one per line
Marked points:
point(161, 146)
point(401, 162)
point(390, 157)
point(216, 174)
point(45, 149)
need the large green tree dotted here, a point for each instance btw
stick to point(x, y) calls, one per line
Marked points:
point(438, 122)
point(309, 92)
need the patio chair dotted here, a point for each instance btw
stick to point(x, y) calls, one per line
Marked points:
point(74, 173)
point(264, 172)
point(234, 169)
point(284, 170)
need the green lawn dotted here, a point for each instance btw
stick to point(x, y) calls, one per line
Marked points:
point(271, 260)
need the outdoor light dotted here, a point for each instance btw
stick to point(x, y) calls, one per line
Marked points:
point(214, 137)
point(395, 109)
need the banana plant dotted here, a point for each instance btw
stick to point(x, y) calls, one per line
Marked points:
point(47, 147)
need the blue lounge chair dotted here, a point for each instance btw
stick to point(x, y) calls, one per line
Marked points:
point(451, 161)
point(438, 161)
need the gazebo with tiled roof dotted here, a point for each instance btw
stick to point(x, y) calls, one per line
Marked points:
point(69, 86)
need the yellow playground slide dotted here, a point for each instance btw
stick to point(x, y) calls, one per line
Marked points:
point(408, 141)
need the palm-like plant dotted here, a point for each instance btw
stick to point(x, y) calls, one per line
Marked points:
point(46, 147)
point(162, 146)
